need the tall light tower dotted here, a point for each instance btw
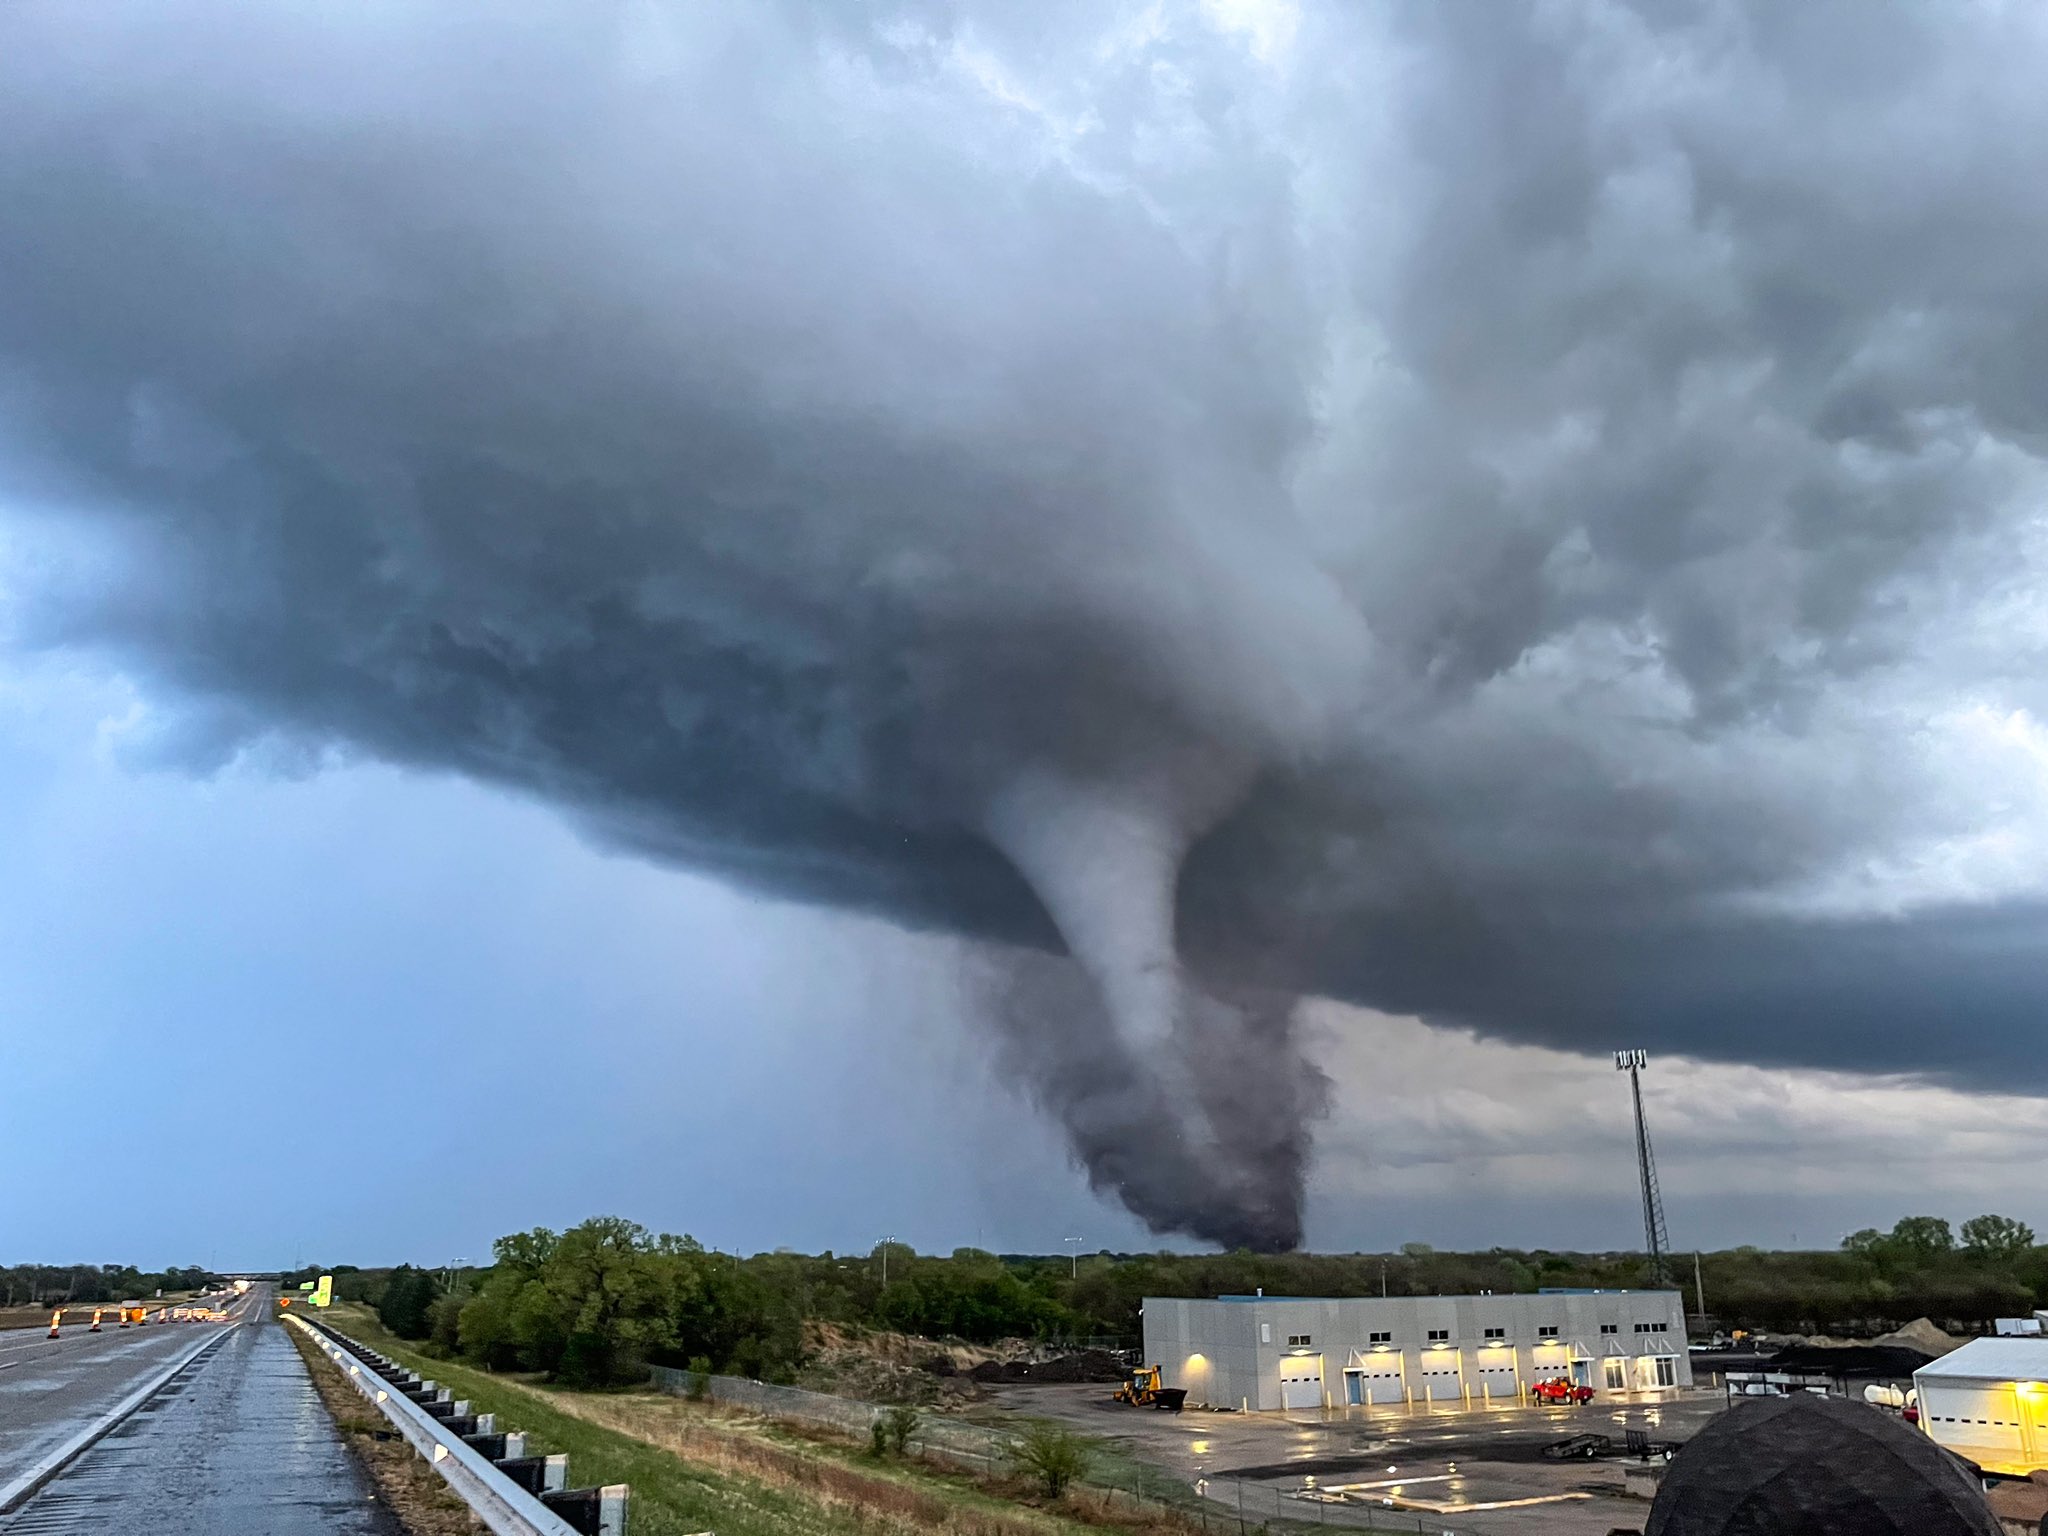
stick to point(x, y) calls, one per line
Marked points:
point(1655, 1238)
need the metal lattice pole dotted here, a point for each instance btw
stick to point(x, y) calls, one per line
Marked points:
point(1656, 1238)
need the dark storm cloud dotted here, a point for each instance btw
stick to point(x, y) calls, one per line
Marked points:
point(1517, 515)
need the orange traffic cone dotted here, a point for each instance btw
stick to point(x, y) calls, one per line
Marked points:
point(56, 1318)
point(95, 1328)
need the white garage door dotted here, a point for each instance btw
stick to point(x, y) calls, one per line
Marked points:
point(1301, 1381)
point(1438, 1379)
point(1494, 1382)
point(1375, 1383)
point(1986, 1418)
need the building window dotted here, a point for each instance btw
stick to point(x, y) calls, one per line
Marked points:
point(1610, 1327)
point(1439, 1335)
point(1617, 1374)
point(1652, 1328)
point(1380, 1338)
point(1496, 1333)
point(1667, 1371)
point(1547, 1331)
point(1298, 1341)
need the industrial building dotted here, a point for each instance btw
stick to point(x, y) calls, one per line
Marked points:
point(1988, 1402)
point(1292, 1352)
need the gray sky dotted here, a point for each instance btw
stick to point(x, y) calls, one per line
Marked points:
point(1525, 520)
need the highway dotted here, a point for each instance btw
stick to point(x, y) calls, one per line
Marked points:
point(236, 1442)
point(52, 1388)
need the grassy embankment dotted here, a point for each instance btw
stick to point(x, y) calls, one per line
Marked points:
point(694, 1467)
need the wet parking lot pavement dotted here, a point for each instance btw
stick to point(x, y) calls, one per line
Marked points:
point(237, 1444)
point(1470, 1471)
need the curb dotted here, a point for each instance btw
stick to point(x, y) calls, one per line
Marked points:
point(19, 1489)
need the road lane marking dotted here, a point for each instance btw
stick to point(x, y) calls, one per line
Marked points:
point(16, 1492)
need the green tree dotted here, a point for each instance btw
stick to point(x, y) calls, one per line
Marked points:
point(1922, 1237)
point(407, 1302)
point(444, 1323)
point(1996, 1237)
point(511, 1323)
point(608, 1296)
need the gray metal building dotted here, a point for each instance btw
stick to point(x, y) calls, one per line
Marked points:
point(1296, 1352)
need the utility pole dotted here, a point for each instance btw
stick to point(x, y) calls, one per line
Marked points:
point(1699, 1286)
point(885, 1261)
point(1073, 1257)
point(1655, 1238)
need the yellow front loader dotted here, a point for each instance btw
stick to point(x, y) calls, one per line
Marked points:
point(1144, 1391)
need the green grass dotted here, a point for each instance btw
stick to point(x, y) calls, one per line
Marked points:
point(957, 1486)
point(670, 1497)
point(671, 1494)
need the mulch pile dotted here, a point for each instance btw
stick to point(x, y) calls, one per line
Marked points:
point(1084, 1365)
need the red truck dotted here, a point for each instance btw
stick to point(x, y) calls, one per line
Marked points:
point(1559, 1390)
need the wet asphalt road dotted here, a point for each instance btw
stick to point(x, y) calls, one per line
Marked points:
point(52, 1388)
point(237, 1444)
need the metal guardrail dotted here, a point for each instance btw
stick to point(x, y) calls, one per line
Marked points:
point(501, 1504)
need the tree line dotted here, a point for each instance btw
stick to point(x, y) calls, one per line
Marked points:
point(601, 1301)
point(35, 1285)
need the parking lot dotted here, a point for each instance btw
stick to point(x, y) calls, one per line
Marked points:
point(1473, 1470)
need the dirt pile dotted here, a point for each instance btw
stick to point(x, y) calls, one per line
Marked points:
point(1082, 1365)
point(897, 1369)
point(1920, 1334)
point(900, 1368)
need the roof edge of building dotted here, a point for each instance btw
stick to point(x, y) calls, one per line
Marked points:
point(1454, 1296)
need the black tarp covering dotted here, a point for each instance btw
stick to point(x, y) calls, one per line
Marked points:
point(1816, 1466)
point(1876, 1362)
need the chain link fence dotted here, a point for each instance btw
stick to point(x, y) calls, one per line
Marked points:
point(1222, 1504)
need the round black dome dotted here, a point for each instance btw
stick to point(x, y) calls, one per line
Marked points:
point(1816, 1466)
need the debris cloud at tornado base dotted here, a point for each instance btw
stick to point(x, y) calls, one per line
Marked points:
point(1511, 519)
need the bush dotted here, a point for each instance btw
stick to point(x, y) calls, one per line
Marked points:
point(899, 1424)
point(698, 1386)
point(1053, 1455)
